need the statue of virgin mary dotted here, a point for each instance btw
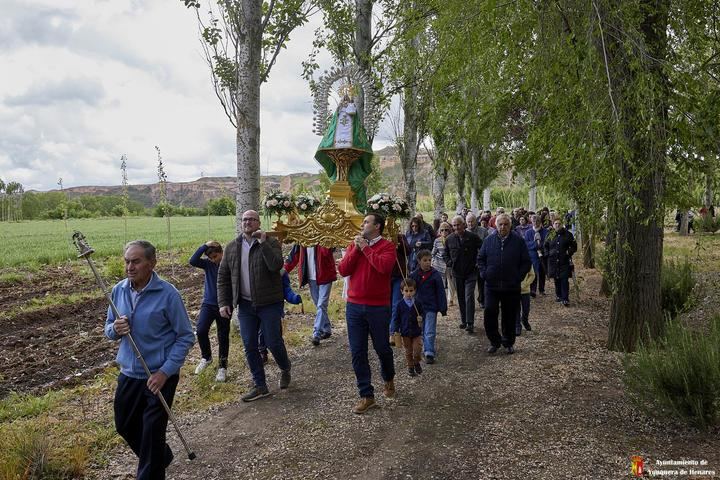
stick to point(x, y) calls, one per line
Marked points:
point(345, 137)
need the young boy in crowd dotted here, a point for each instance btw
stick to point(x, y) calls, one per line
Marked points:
point(523, 315)
point(209, 311)
point(431, 296)
point(407, 313)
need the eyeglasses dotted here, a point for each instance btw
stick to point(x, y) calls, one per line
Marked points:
point(250, 219)
point(444, 229)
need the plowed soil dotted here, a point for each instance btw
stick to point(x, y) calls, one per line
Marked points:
point(61, 344)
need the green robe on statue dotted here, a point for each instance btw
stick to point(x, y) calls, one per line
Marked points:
point(346, 132)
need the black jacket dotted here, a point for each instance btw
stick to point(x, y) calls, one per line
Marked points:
point(504, 264)
point(463, 254)
point(559, 249)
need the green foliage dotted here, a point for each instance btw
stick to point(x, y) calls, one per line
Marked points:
point(45, 241)
point(706, 223)
point(114, 268)
point(677, 284)
point(16, 406)
point(678, 375)
point(513, 197)
point(221, 206)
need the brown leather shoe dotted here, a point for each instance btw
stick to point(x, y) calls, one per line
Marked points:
point(365, 404)
point(389, 389)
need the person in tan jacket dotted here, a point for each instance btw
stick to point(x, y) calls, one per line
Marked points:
point(523, 315)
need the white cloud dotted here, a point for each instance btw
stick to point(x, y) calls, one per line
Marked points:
point(86, 81)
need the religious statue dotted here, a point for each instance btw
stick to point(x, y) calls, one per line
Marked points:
point(345, 152)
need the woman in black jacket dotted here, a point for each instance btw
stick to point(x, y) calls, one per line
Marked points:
point(559, 249)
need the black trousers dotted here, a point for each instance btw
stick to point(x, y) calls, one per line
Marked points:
point(481, 290)
point(208, 315)
point(510, 303)
point(141, 420)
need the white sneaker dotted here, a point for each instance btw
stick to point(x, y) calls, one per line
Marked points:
point(221, 375)
point(202, 366)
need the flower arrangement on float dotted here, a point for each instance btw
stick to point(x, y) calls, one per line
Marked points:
point(278, 203)
point(388, 206)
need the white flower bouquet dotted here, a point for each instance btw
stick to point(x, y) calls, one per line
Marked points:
point(387, 206)
point(278, 203)
point(306, 204)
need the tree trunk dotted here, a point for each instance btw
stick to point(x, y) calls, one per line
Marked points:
point(486, 198)
point(248, 101)
point(708, 194)
point(636, 311)
point(362, 49)
point(408, 158)
point(532, 196)
point(438, 187)
point(474, 194)
point(684, 221)
point(588, 246)
point(460, 182)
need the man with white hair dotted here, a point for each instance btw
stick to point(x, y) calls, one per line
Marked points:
point(503, 262)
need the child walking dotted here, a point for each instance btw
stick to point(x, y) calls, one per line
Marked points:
point(209, 311)
point(407, 313)
point(431, 296)
point(523, 315)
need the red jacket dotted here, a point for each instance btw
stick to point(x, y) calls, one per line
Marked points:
point(324, 264)
point(370, 270)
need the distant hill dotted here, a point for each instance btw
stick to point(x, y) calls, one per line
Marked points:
point(198, 192)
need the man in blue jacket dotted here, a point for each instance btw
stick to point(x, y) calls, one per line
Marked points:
point(503, 262)
point(153, 311)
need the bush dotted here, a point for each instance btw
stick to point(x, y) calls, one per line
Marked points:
point(706, 223)
point(678, 375)
point(677, 283)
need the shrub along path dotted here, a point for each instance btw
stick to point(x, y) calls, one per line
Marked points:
point(555, 409)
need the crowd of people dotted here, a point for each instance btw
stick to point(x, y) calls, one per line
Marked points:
point(394, 291)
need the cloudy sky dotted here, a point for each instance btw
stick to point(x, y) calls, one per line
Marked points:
point(86, 81)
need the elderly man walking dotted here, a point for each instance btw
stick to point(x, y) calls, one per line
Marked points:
point(369, 263)
point(249, 279)
point(153, 311)
point(503, 263)
point(463, 249)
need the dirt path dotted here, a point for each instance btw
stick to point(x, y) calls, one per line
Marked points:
point(554, 410)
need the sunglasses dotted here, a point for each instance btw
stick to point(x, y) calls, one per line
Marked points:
point(444, 229)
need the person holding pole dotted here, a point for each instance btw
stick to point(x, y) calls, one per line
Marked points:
point(153, 311)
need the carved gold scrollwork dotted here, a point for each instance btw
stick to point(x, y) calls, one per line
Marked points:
point(329, 227)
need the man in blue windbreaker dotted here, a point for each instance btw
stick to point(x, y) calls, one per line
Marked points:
point(153, 311)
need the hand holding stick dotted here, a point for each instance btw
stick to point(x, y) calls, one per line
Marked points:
point(155, 382)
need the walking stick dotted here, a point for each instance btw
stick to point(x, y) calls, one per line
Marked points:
point(85, 251)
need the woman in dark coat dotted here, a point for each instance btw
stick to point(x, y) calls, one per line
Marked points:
point(559, 249)
point(419, 239)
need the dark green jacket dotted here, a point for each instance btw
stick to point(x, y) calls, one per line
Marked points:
point(265, 262)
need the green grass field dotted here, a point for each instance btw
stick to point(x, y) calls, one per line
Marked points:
point(48, 241)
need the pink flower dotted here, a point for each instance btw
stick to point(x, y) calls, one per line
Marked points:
point(303, 206)
point(375, 206)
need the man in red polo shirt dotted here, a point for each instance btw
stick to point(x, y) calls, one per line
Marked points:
point(369, 263)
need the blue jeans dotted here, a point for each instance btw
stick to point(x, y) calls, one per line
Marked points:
point(373, 320)
point(267, 317)
point(395, 296)
point(429, 331)
point(321, 296)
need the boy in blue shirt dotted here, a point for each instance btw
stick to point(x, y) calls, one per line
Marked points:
point(210, 312)
point(407, 314)
point(432, 298)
